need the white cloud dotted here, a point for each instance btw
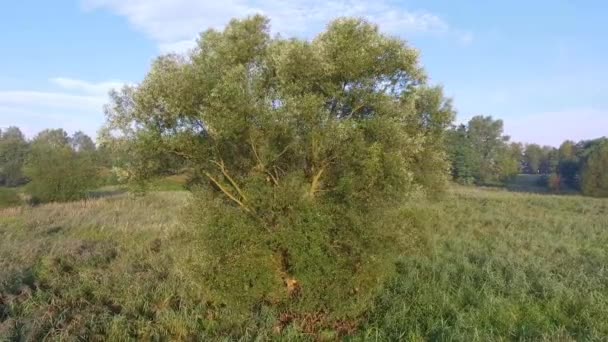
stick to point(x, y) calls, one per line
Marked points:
point(180, 46)
point(74, 105)
point(49, 99)
point(174, 24)
point(552, 128)
point(80, 86)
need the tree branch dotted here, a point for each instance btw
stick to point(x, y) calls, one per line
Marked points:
point(227, 193)
point(274, 177)
point(316, 182)
point(257, 156)
point(232, 182)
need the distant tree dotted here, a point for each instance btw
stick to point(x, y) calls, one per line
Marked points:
point(509, 161)
point(550, 160)
point(584, 148)
point(568, 150)
point(480, 153)
point(533, 158)
point(569, 163)
point(13, 151)
point(302, 149)
point(53, 137)
point(82, 143)
point(594, 178)
point(488, 142)
point(465, 164)
point(58, 172)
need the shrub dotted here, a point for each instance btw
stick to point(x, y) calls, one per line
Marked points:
point(58, 173)
point(301, 152)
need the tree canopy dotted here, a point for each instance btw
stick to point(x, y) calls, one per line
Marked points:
point(296, 145)
point(480, 153)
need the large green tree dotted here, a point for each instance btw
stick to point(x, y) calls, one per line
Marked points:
point(479, 151)
point(303, 151)
point(13, 151)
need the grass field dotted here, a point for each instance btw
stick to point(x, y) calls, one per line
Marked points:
point(497, 266)
point(9, 197)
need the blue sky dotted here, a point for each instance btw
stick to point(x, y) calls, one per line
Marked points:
point(540, 66)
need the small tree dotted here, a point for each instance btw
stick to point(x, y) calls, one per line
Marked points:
point(594, 180)
point(57, 171)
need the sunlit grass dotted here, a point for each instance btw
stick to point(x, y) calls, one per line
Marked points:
point(498, 266)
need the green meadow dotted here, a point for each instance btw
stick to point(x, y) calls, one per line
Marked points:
point(492, 265)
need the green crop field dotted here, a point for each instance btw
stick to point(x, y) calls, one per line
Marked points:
point(494, 265)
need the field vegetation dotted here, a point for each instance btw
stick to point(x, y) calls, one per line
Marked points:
point(267, 188)
point(489, 265)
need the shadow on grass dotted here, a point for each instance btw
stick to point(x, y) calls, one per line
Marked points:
point(535, 184)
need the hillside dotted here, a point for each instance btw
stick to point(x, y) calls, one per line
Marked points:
point(494, 265)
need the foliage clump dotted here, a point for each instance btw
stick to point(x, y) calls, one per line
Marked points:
point(59, 167)
point(302, 152)
point(595, 172)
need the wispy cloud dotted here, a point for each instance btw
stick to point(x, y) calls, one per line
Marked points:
point(28, 98)
point(174, 24)
point(73, 105)
point(81, 86)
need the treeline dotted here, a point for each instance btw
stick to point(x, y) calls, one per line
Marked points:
point(59, 167)
point(481, 154)
point(53, 166)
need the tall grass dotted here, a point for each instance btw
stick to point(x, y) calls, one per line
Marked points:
point(503, 266)
point(497, 266)
point(9, 197)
